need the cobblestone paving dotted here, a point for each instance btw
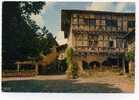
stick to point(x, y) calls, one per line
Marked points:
point(100, 82)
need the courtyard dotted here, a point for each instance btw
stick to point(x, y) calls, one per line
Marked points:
point(60, 55)
point(96, 82)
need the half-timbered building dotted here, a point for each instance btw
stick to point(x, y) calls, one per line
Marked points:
point(97, 36)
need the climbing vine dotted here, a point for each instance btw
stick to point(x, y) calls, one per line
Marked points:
point(130, 55)
point(71, 66)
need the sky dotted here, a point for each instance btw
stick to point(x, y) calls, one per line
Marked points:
point(50, 15)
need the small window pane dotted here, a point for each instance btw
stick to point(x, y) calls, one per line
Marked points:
point(131, 24)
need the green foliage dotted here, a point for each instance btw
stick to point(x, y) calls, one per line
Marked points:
point(46, 41)
point(130, 55)
point(69, 54)
point(20, 38)
point(31, 7)
point(74, 71)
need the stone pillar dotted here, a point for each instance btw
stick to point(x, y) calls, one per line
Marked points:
point(80, 68)
point(94, 66)
point(69, 71)
point(130, 66)
point(123, 65)
point(36, 68)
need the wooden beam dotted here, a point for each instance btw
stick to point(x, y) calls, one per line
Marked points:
point(18, 67)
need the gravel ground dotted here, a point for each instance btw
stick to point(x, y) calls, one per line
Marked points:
point(97, 82)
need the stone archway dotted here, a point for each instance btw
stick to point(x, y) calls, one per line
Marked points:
point(85, 65)
point(95, 64)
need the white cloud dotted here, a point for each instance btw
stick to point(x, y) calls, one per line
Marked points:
point(38, 19)
point(112, 6)
point(46, 6)
point(60, 38)
point(101, 6)
point(120, 7)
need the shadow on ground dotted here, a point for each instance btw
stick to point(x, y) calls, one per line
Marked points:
point(62, 86)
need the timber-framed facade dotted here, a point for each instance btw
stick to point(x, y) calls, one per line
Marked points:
point(97, 36)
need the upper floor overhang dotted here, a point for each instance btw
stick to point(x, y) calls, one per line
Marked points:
point(66, 17)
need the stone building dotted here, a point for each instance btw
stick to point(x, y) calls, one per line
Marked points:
point(98, 37)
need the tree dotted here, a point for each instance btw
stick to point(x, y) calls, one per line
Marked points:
point(46, 41)
point(19, 39)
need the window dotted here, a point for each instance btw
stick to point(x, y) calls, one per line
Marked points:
point(103, 17)
point(82, 40)
point(102, 22)
point(81, 21)
point(86, 21)
point(85, 37)
point(92, 16)
point(105, 37)
point(75, 27)
point(92, 22)
point(110, 43)
point(81, 27)
point(85, 43)
point(98, 22)
point(75, 15)
point(112, 23)
point(106, 43)
point(95, 43)
point(131, 24)
point(118, 43)
point(75, 21)
point(119, 23)
point(95, 38)
point(108, 28)
point(108, 22)
point(100, 37)
point(100, 43)
point(79, 43)
point(79, 37)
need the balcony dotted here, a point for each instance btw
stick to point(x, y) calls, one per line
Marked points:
point(100, 50)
